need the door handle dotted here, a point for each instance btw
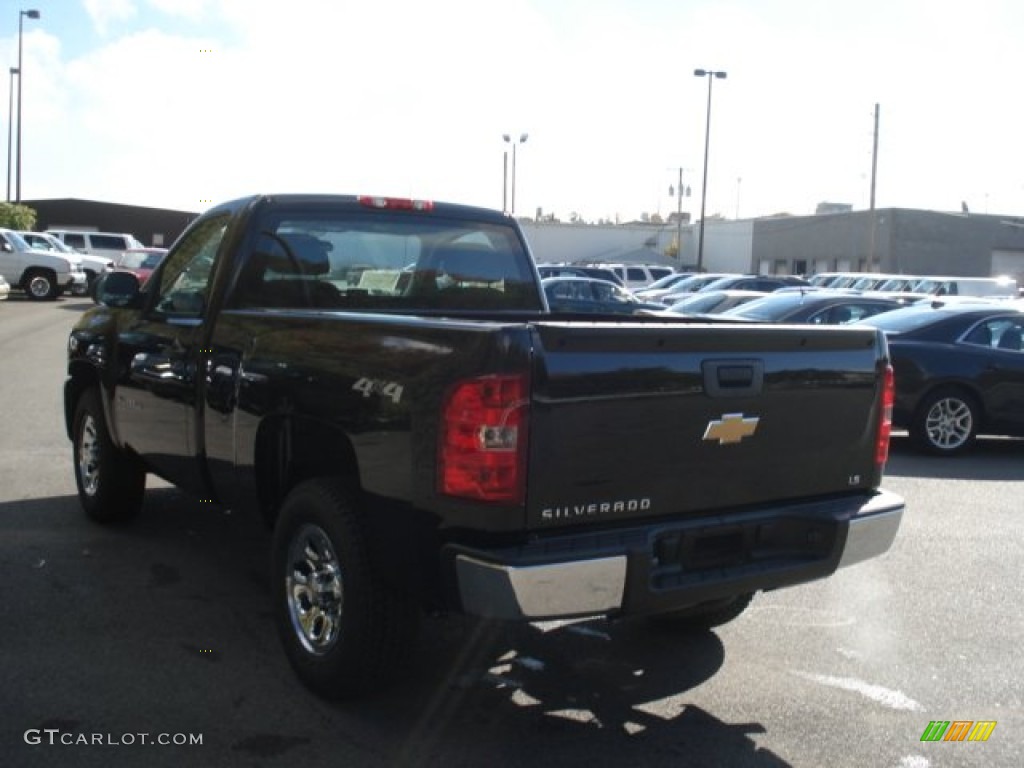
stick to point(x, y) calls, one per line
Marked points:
point(733, 378)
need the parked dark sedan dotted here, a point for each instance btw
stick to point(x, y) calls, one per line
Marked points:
point(816, 307)
point(762, 283)
point(579, 270)
point(959, 372)
point(584, 294)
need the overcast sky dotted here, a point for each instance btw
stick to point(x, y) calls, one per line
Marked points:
point(180, 103)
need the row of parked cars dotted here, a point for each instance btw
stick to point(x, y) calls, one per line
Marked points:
point(46, 264)
point(956, 343)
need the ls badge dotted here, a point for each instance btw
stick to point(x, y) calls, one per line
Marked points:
point(731, 428)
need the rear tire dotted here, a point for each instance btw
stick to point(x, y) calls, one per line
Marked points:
point(41, 284)
point(110, 482)
point(346, 631)
point(704, 616)
point(946, 422)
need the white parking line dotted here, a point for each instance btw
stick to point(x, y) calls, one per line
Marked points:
point(884, 696)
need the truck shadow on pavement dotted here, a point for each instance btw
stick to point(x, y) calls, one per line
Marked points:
point(180, 599)
point(557, 693)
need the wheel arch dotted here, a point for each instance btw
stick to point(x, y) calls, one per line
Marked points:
point(953, 386)
point(82, 378)
point(291, 449)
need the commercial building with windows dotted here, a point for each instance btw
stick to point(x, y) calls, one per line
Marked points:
point(888, 240)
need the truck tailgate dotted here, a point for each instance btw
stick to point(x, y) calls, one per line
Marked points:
point(647, 421)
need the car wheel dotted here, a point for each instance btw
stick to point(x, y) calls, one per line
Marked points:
point(946, 422)
point(346, 631)
point(703, 616)
point(41, 284)
point(110, 483)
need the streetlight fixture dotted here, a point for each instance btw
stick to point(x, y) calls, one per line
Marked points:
point(710, 75)
point(10, 124)
point(522, 140)
point(32, 14)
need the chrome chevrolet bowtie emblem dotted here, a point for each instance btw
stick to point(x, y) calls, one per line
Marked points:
point(731, 428)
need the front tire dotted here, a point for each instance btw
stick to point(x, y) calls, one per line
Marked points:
point(946, 422)
point(41, 284)
point(346, 631)
point(110, 483)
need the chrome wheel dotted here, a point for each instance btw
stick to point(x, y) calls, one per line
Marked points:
point(39, 287)
point(89, 456)
point(949, 423)
point(313, 589)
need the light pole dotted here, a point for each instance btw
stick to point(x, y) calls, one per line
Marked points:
point(679, 192)
point(522, 140)
point(710, 75)
point(10, 125)
point(504, 182)
point(32, 14)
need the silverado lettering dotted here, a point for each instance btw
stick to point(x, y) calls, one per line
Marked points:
point(383, 381)
point(595, 508)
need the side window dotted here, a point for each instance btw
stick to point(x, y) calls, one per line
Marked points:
point(633, 274)
point(108, 242)
point(1010, 336)
point(981, 335)
point(74, 240)
point(618, 295)
point(184, 282)
point(562, 291)
point(819, 318)
point(867, 310)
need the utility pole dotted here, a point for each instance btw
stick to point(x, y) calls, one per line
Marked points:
point(874, 159)
point(872, 257)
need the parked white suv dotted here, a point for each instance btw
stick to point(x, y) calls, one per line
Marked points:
point(93, 266)
point(108, 244)
point(41, 274)
point(636, 276)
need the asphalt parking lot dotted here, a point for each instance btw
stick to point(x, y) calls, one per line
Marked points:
point(115, 640)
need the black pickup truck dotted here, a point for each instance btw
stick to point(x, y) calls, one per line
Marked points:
point(383, 380)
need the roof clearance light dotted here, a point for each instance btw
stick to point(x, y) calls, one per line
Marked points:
point(396, 203)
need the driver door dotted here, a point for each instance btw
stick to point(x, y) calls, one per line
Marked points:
point(158, 351)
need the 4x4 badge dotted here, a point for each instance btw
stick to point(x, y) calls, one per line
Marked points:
point(731, 428)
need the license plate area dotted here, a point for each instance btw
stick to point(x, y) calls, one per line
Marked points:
point(692, 555)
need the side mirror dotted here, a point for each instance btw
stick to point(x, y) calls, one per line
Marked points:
point(7, 247)
point(117, 289)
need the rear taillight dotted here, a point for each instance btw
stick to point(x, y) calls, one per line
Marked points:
point(482, 451)
point(885, 419)
point(396, 203)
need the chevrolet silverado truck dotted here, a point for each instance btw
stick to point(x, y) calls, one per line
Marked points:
point(383, 381)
